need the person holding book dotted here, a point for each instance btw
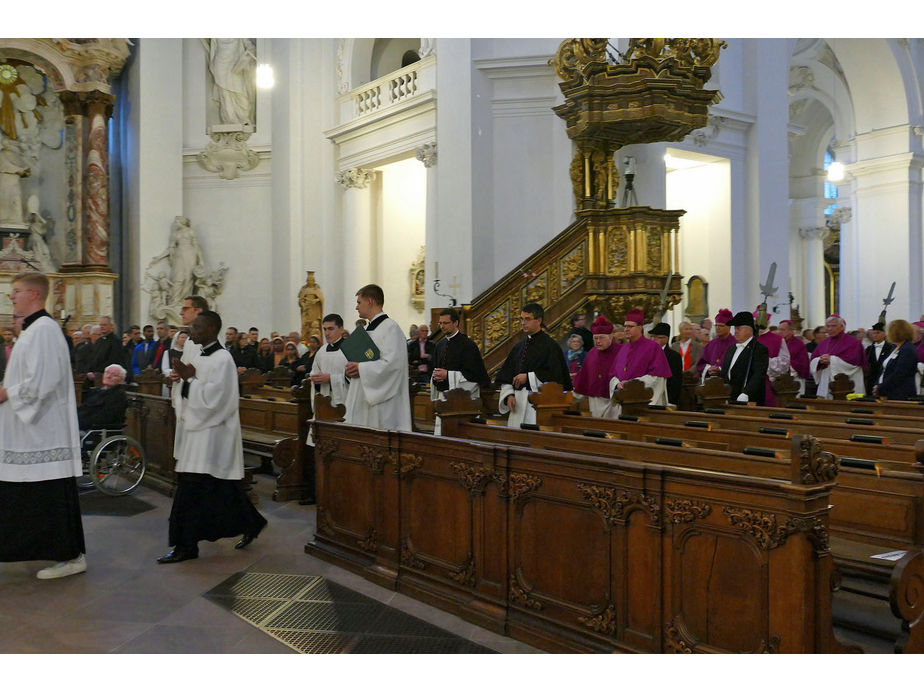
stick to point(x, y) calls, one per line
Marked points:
point(379, 396)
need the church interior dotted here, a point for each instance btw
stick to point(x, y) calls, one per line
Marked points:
point(277, 176)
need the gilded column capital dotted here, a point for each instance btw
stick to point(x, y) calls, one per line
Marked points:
point(426, 154)
point(355, 178)
point(814, 233)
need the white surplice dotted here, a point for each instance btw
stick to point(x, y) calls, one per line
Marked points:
point(39, 438)
point(211, 442)
point(380, 396)
point(191, 353)
point(523, 412)
point(332, 362)
point(836, 366)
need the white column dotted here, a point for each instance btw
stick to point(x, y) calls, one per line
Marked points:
point(813, 275)
point(153, 161)
point(768, 171)
point(358, 238)
point(883, 244)
point(427, 155)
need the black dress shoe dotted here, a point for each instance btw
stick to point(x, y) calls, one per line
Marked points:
point(178, 555)
point(245, 541)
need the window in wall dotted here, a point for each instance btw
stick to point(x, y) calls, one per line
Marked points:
point(830, 188)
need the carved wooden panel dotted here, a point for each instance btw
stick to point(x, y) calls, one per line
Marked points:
point(572, 267)
point(496, 326)
point(537, 291)
point(617, 251)
point(720, 587)
point(438, 519)
point(654, 250)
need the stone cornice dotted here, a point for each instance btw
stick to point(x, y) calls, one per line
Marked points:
point(519, 67)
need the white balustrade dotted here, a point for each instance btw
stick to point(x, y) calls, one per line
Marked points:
point(393, 88)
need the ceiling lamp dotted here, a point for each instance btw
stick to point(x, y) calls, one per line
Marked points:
point(836, 172)
point(265, 77)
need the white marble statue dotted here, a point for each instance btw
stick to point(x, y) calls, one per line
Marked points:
point(184, 255)
point(233, 64)
point(188, 274)
point(12, 170)
point(210, 284)
point(38, 226)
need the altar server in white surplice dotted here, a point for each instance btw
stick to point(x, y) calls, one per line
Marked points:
point(379, 396)
point(209, 502)
point(39, 445)
point(192, 306)
point(327, 377)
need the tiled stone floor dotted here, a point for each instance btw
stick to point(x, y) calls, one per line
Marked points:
point(127, 603)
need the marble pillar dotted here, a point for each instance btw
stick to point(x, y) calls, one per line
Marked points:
point(427, 155)
point(96, 232)
point(358, 237)
point(813, 289)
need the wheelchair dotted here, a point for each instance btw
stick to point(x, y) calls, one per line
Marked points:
point(112, 462)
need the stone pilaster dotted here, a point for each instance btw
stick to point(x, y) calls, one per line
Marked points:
point(357, 228)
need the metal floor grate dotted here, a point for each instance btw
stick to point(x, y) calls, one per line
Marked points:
point(315, 616)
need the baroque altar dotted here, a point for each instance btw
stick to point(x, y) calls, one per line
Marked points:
point(55, 104)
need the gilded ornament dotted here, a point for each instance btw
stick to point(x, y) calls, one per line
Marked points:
point(8, 74)
point(573, 55)
point(495, 324)
point(535, 291)
point(617, 240)
point(572, 267)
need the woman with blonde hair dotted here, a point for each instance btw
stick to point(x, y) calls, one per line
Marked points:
point(899, 370)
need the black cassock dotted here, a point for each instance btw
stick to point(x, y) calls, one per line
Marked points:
point(460, 354)
point(538, 354)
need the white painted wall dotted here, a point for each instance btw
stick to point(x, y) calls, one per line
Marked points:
point(401, 212)
point(705, 231)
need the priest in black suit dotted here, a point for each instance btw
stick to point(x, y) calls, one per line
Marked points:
point(661, 333)
point(532, 362)
point(457, 363)
point(745, 365)
point(876, 354)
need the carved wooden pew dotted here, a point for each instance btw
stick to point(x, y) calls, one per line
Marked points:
point(274, 427)
point(872, 511)
point(576, 551)
point(151, 421)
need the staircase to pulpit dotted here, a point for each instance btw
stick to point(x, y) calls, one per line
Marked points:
point(610, 259)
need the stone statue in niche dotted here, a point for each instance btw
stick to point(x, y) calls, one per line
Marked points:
point(188, 274)
point(232, 66)
point(12, 169)
point(38, 227)
point(418, 281)
point(311, 302)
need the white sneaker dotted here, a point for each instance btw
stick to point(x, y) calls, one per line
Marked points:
point(63, 569)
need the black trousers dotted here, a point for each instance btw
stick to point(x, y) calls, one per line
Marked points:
point(207, 508)
point(40, 521)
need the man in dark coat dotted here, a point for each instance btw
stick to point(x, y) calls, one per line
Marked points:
point(107, 349)
point(420, 354)
point(532, 362)
point(745, 364)
point(457, 363)
point(661, 333)
point(104, 407)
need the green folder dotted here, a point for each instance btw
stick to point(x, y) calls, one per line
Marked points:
point(359, 347)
